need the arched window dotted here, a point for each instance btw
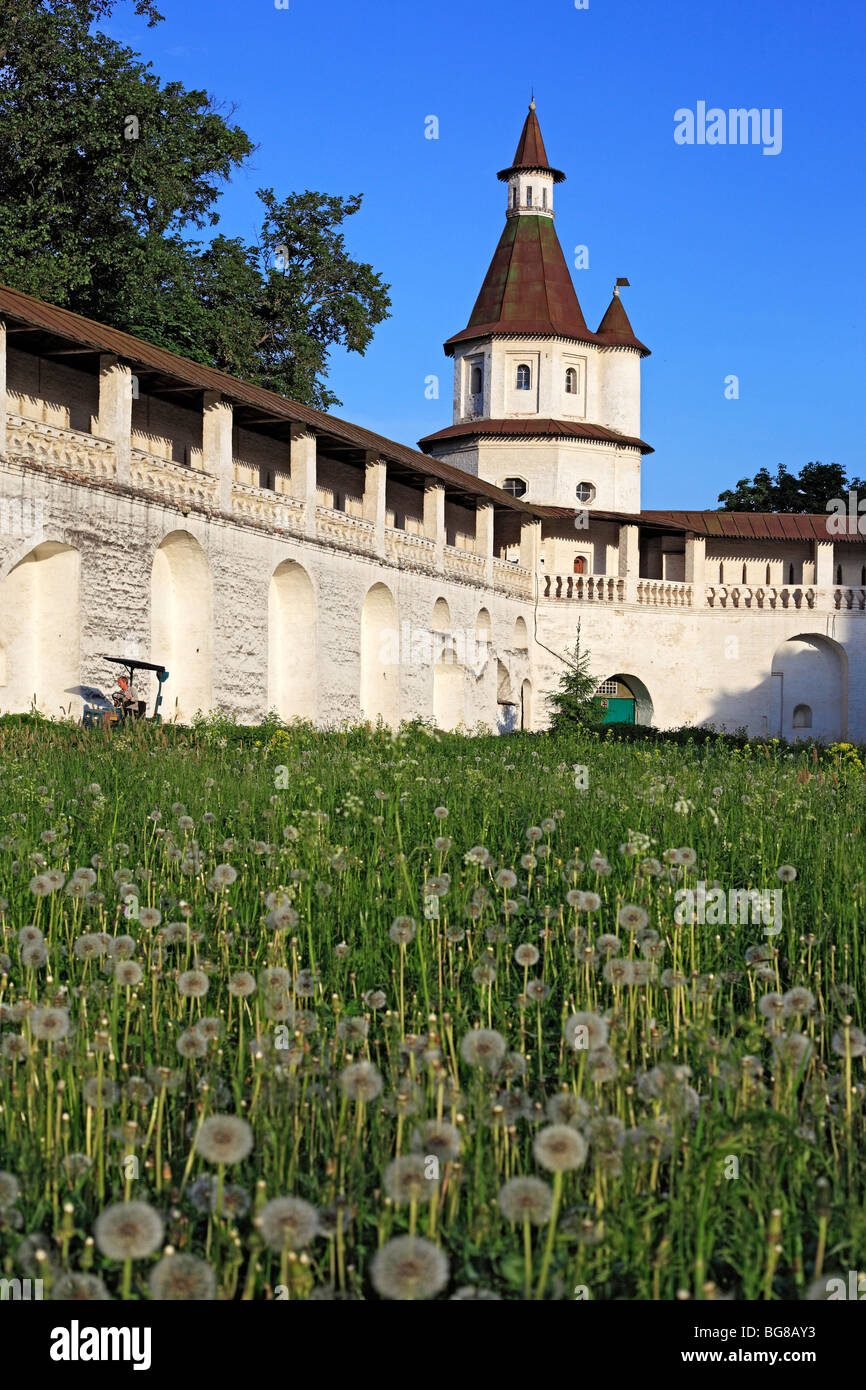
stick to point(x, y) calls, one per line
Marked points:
point(571, 381)
point(529, 197)
point(744, 574)
point(580, 564)
point(838, 574)
point(721, 573)
point(524, 377)
point(767, 575)
point(544, 197)
point(863, 574)
point(802, 717)
point(584, 492)
point(516, 486)
point(790, 574)
point(476, 381)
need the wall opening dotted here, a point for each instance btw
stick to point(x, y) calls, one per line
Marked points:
point(810, 680)
point(292, 643)
point(40, 621)
point(380, 656)
point(181, 625)
point(448, 673)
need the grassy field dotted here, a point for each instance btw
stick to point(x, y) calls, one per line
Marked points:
point(365, 1016)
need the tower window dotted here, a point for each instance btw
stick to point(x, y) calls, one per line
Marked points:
point(544, 197)
point(790, 574)
point(529, 197)
point(524, 377)
point(838, 574)
point(571, 381)
point(802, 717)
point(767, 579)
point(585, 492)
point(744, 574)
point(516, 486)
point(580, 564)
point(476, 381)
point(514, 195)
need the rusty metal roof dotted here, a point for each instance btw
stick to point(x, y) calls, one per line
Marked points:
point(535, 429)
point(270, 408)
point(760, 526)
point(720, 525)
point(615, 329)
point(527, 289)
point(530, 153)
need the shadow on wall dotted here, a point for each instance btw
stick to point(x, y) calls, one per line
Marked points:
point(803, 695)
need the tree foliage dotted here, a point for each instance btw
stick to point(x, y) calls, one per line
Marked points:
point(810, 491)
point(573, 703)
point(109, 184)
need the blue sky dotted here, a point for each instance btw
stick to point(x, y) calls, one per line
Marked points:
point(740, 263)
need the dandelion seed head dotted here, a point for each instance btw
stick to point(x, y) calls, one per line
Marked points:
point(288, 1223)
point(182, 1279)
point(361, 1081)
point(526, 1199)
point(128, 1231)
point(483, 1047)
point(406, 1180)
point(224, 1139)
point(559, 1148)
point(409, 1267)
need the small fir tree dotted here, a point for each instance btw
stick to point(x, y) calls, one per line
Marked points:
point(573, 703)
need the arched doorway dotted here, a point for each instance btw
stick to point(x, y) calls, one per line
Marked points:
point(380, 656)
point(526, 705)
point(809, 676)
point(624, 699)
point(292, 643)
point(40, 622)
point(181, 625)
point(508, 709)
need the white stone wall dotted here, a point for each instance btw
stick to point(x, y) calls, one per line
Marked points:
point(553, 468)
point(111, 540)
point(619, 390)
point(717, 666)
point(531, 192)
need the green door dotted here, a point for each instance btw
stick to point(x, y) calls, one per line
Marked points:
point(616, 709)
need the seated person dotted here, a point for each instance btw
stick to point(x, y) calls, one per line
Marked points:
point(125, 698)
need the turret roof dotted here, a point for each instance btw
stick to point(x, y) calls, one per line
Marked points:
point(530, 152)
point(616, 331)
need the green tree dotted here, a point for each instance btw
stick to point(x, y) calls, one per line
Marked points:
point(107, 179)
point(573, 704)
point(809, 491)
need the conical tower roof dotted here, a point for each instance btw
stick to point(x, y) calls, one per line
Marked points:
point(527, 289)
point(615, 329)
point(530, 152)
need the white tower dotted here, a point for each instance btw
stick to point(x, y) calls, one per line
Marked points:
point(543, 406)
